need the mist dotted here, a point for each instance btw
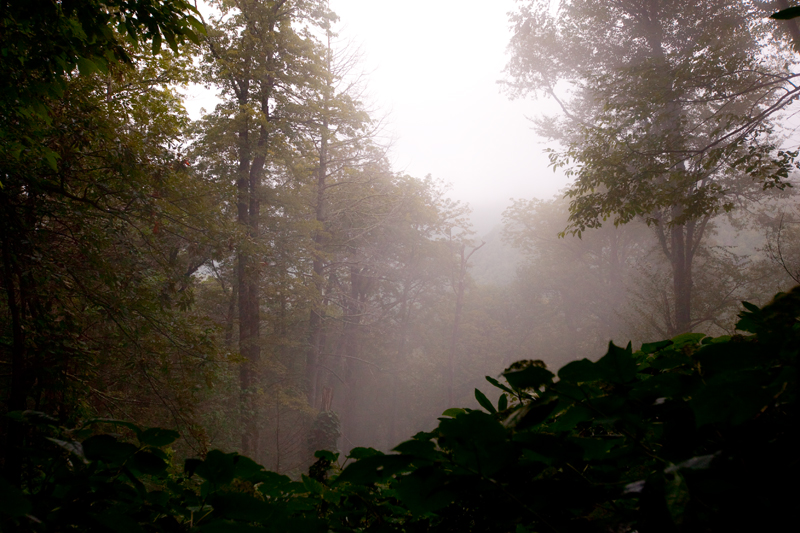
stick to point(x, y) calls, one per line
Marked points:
point(293, 226)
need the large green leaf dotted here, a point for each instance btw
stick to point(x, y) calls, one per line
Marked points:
point(530, 377)
point(158, 437)
point(484, 401)
point(579, 372)
point(618, 365)
point(218, 467)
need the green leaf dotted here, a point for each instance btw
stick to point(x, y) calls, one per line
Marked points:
point(658, 386)
point(156, 43)
point(325, 454)
point(218, 467)
point(170, 38)
point(532, 414)
point(424, 449)
point(312, 485)
point(361, 453)
point(454, 412)
point(484, 401)
point(618, 365)
point(158, 437)
point(498, 384)
point(197, 25)
point(51, 158)
point(670, 360)
point(373, 469)
point(87, 66)
point(701, 462)
point(502, 403)
point(687, 338)
point(596, 449)
point(192, 36)
point(530, 456)
point(274, 485)
point(571, 418)
point(676, 495)
point(582, 371)
point(109, 449)
point(190, 466)
point(530, 377)
point(653, 347)
point(424, 491)
point(149, 463)
point(71, 446)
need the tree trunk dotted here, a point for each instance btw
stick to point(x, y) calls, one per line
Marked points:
point(459, 290)
point(13, 431)
point(315, 322)
point(405, 315)
point(681, 280)
point(248, 208)
point(356, 306)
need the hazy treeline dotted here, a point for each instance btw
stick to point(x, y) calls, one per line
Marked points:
point(261, 279)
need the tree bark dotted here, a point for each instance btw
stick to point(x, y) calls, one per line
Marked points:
point(315, 320)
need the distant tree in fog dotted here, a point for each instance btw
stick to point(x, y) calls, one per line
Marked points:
point(660, 121)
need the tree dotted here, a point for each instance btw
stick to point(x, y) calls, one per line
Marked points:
point(99, 253)
point(44, 42)
point(266, 60)
point(658, 88)
point(346, 157)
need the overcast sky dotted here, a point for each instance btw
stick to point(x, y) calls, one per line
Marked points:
point(432, 67)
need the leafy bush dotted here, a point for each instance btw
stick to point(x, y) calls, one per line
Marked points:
point(690, 434)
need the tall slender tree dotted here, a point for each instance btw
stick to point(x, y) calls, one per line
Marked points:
point(267, 60)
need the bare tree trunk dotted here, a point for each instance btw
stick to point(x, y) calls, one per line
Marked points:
point(315, 321)
point(247, 272)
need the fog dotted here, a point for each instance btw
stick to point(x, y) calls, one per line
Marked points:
point(433, 80)
point(301, 263)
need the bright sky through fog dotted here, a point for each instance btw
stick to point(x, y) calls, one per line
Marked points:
point(432, 67)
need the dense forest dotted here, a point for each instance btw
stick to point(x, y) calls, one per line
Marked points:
point(260, 284)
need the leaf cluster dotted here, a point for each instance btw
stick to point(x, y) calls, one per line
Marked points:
point(688, 434)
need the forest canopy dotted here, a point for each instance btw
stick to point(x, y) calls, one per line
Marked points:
point(229, 322)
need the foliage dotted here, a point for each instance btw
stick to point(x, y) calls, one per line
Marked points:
point(325, 431)
point(689, 434)
point(101, 239)
point(662, 108)
point(665, 117)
